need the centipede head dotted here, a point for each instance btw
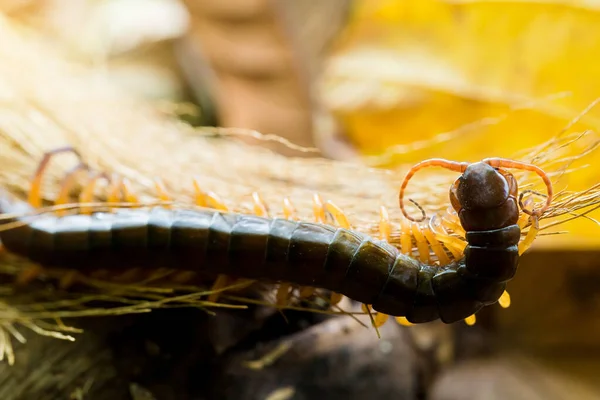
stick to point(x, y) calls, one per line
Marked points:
point(482, 186)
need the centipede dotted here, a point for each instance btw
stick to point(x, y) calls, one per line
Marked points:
point(371, 271)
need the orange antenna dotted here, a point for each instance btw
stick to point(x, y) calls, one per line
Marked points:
point(505, 163)
point(433, 162)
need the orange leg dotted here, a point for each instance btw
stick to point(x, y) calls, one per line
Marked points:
point(162, 192)
point(531, 235)
point(306, 292)
point(68, 279)
point(338, 214)
point(35, 198)
point(221, 282)
point(289, 212)
point(385, 226)
point(504, 300)
point(87, 193)
point(471, 320)
point(283, 294)
point(436, 246)
point(209, 199)
point(114, 191)
point(130, 196)
point(378, 319)
point(86, 196)
point(318, 209)
point(35, 192)
point(28, 274)
point(385, 229)
point(422, 245)
point(260, 208)
point(319, 212)
point(68, 183)
point(455, 245)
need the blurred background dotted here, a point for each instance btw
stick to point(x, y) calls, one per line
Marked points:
point(388, 82)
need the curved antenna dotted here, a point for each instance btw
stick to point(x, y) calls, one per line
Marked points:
point(505, 163)
point(433, 162)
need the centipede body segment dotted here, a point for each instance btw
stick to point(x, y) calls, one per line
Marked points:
point(318, 255)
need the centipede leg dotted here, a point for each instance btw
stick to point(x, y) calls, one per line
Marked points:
point(35, 192)
point(114, 191)
point(207, 199)
point(318, 209)
point(385, 233)
point(162, 192)
point(204, 199)
point(436, 246)
point(320, 217)
point(86, 196)
point(221, 282)
point(289, 212)
point(260, 208)
point(455, 245)
point(283, 294)
point(405, 248)
point(35, 200)
point(531, 235)
point(28, 275)
point(128, 192)
point(338, 214)
point(504, 300)
point(306, 292)
point(69, 182)
point(470, 320)
point(87, 193)
point(377, 319)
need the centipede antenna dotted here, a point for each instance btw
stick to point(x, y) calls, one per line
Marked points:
point(423, 213)
point(433, 162)
point(506, 163)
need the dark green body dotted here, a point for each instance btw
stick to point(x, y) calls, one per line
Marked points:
point(365, 270)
